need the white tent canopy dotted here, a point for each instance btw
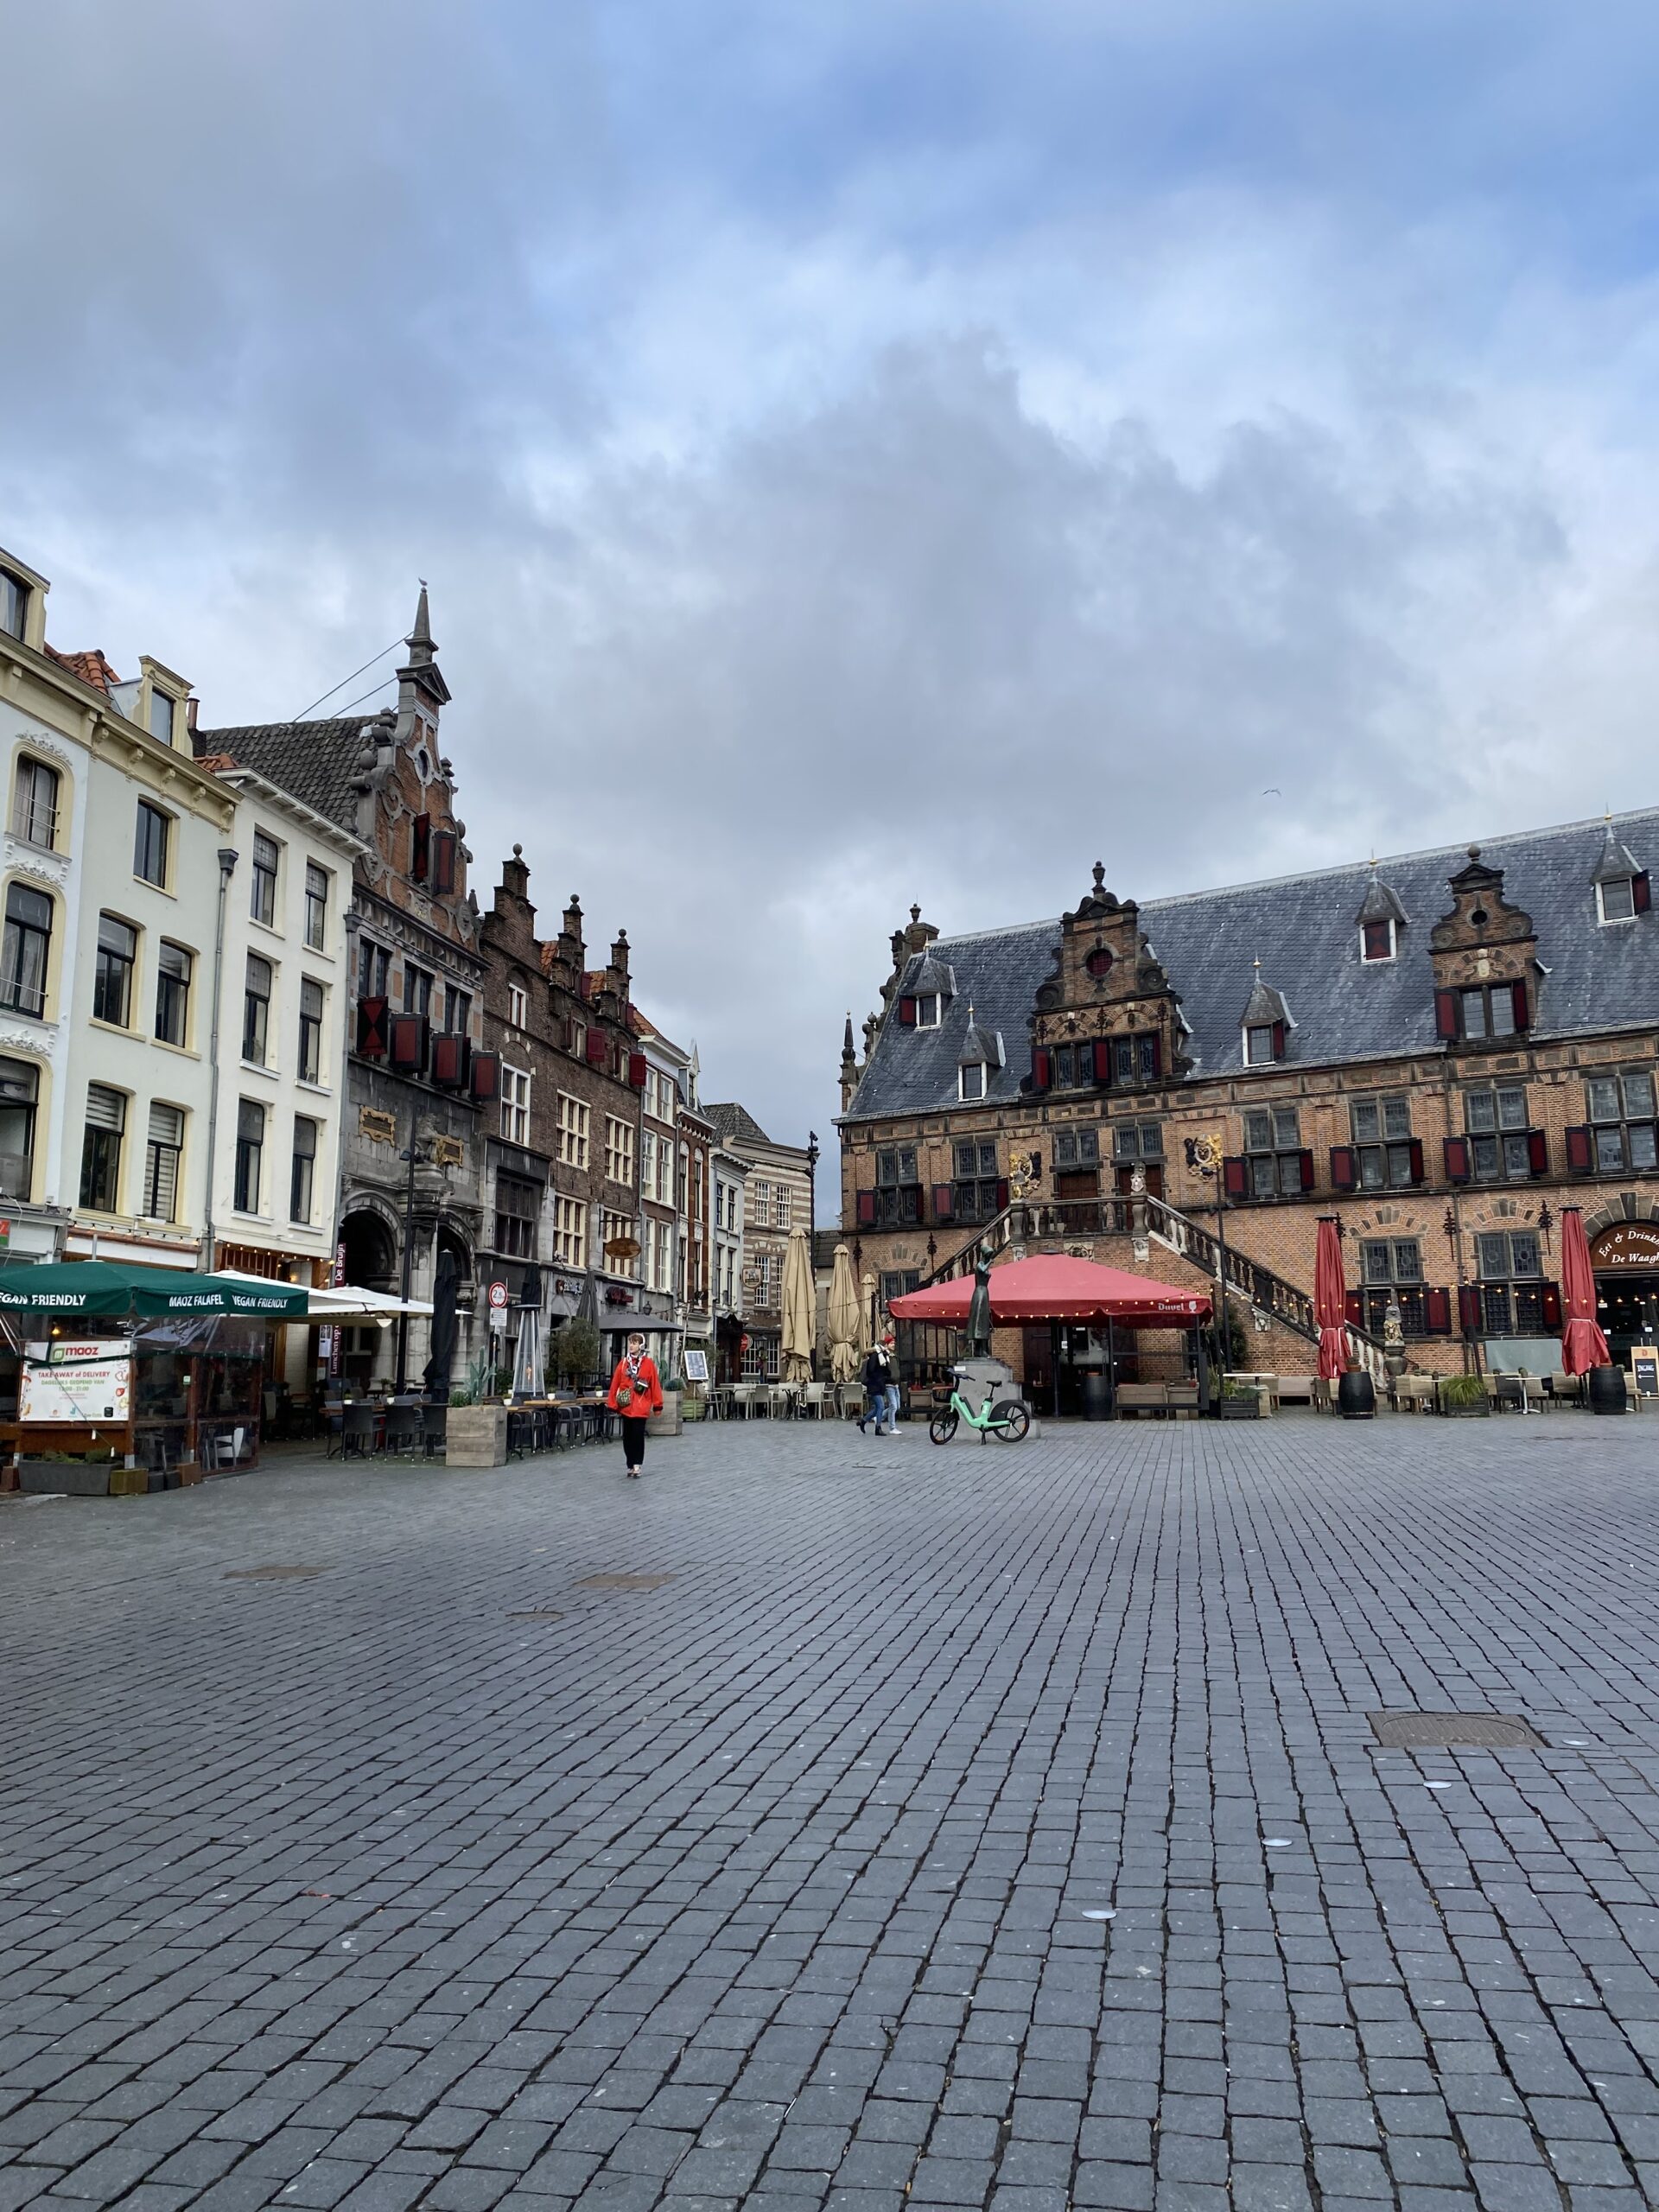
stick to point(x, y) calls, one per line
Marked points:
point(345, 1301)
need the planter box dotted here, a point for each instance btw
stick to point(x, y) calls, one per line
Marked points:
point(668, 1422)
point(64, 1478)
point(1240, 1408)
point(476, 1436)
point(1479, 1410)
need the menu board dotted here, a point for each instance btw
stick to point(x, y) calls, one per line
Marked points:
point(1644, 1369)
point(79, 1382)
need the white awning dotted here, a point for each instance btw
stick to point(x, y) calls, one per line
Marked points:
point(346, 1302)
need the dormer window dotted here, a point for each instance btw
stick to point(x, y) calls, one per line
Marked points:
point(14, 603)
point(1259, 1043)
point(1376, 939)
point(927, 1010)
point(971, 1078)
point(1622, 898)
point(161, 711)
point(1265, 1028)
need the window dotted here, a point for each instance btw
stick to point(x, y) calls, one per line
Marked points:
point(1622, 1121)
point(577, 1033)
point(161, 711)
point(1386, 1157)
point(618, 1228)
point(150, 844)
point(573, 1131)
point(897, 1282)
point(618, 1150)
point(767, 1269)
point(973, 1194)
point(1258, 1044)
point(971, 1080)
point(162, 1150)
point(1392, 1266)
point(316, 907)
point(515, 1104)
point(101, 1149)
point(760, 1359)
point(898, 1199)
point(262, 895)
point(458, 1011)
point(256, 1010)
point(1511, 1289)
point(302, 1170)
point(1376, 939)
point(660, 1268)
point(20, 1085)
point(647, 1161)
point(1496, 1120)
point(927, 1010)
point(518, 1203)
point(117, 948)
point(249, 1154)
point(172, 995)
point(760, 1208)
point(34, 803)
point(373, 970)
point(1273, 1153)
point(517, 1005)
point(14, 603)
point(1617, 895)
point(570, 1232)
point(1134, 1060)
point(418, 990)
point(781, 1197)
point(1072, 1148)
point(26, 948)
point(1488, 1010)
point(1138, 1141)
point(311, 1004)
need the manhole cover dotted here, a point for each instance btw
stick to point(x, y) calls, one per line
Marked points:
point(623, 1581)
point(1449, 1731)
point(271, 1574)
point(537, 1613)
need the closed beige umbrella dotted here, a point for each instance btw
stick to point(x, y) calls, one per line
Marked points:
point(843, 1319)
point(867, 1314)
point(798, 1308)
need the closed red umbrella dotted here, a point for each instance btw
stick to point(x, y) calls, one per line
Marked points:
point(1331, 1302)
point(1583, 1346)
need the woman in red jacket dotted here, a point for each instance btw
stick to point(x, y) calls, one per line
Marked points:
point(636, 1393)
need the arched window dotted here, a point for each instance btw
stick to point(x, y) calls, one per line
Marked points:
point(34, 803)
point(26, 951)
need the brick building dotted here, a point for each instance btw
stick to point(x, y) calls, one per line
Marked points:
point(776, 1198)
point(1442, 1050)
point(563, 1161)
point(418, 1086)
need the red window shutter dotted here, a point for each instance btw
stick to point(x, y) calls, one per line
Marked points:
point(1552, 1307)
point(1417, 1174)
point(907, 1013)
point(443, 860)
point(449, 1061)
point(1445, 1014)
point(1469, 1314)
point(407, 1042)
point(1278, 1040)
point(1157, 1059)
point(1580, 1151)
point(1538, 1151)
point(485, 1075)
point(1345, 1168)
point(1233, 1182)
point(1351, 1310)
point(1457, 1159)
point(1001, 1196)
point(944, 1206)
point(867, 1209)
point(1641, 891)
point(1102, 1059)
point(1523, 1008)
point(636, 1070)
point(1305, 1161)
point(599, 1047)
point(1437, 1313)
point(1042, 1068)
point(372, 1028)
point(420, 848)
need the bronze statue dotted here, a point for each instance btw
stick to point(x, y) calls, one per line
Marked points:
point(979, 1313)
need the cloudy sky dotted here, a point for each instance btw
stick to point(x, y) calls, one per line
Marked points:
point(864, 452)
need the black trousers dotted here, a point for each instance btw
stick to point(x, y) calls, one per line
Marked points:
point(634, 1439)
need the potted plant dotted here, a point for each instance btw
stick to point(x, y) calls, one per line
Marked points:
point(1464, 1395)
point(576, 1352)
point(1239, 1401)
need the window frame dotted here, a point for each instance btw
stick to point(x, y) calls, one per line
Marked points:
point(311, 1028)
point(317, 906)
point(15, 596)
point(155, 1148)
point(249, 1173)
point(517, 1224)
point(1625, 1125)
point(264, 876)
point(936, 1000)
point(114, 969)
point(255, 1027)
point(153, 825)
point(174, 990)
point(18, 934)
point(25, 819)
point(27, 1107)
point(106, 1142)
point(298, 1159)
point(969, 1094)
point(1369, 959)
point(515, 1104)
point(1604, 920)
point(1282, 1177)
point(575, 1131)
point(1378, 1158)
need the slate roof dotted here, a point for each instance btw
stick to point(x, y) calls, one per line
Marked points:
point(314, 762)
point(1302, 927)
point(732, 1122)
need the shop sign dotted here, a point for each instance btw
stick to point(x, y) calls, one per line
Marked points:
point(1628, 1244)
point(77, 1382)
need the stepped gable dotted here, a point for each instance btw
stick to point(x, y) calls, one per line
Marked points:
point(1304, 930)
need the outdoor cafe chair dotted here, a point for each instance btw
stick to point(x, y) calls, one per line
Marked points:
point(743, 1398)
point(780, 1400)
point(227, 1447)
point(813, 1396)
point(434, 1429)
point(403, 1426)
point(849, 1399)
point(357, 1435)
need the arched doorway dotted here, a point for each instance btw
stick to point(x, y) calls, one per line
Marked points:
point(371, 1264)
point(1626, 1257)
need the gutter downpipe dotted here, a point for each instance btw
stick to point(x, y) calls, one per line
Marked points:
point(228, 860)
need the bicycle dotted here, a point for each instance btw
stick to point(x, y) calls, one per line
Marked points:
point(1008, 1422)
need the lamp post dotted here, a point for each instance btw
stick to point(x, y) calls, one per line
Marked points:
point(415, 1156)
point(1204, 1155)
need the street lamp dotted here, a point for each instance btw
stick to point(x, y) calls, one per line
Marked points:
point(1203, 1155)
point(416, 1156)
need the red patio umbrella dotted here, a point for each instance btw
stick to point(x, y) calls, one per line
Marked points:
point(1331, 1302)
point(1583, 1346)
point(1055, 1287)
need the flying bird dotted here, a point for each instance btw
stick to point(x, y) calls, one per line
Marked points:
point(1273, 792)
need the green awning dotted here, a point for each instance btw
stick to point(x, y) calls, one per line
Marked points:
point(105, 1290)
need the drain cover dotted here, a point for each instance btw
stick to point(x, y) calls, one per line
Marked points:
point(271, 1574)
point(537, 1613)
point(623, 1581)
point(1449, 1731)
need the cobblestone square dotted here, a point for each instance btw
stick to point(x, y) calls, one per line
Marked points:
point(986, 1827)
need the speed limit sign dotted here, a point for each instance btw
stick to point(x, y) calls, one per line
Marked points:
point(498, 1305)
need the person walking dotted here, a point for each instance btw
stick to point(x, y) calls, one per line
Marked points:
point(636, 1393)
point(891, 1352)
point(874, 1379)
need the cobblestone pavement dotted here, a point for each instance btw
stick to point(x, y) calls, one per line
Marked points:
point(982, 1826)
